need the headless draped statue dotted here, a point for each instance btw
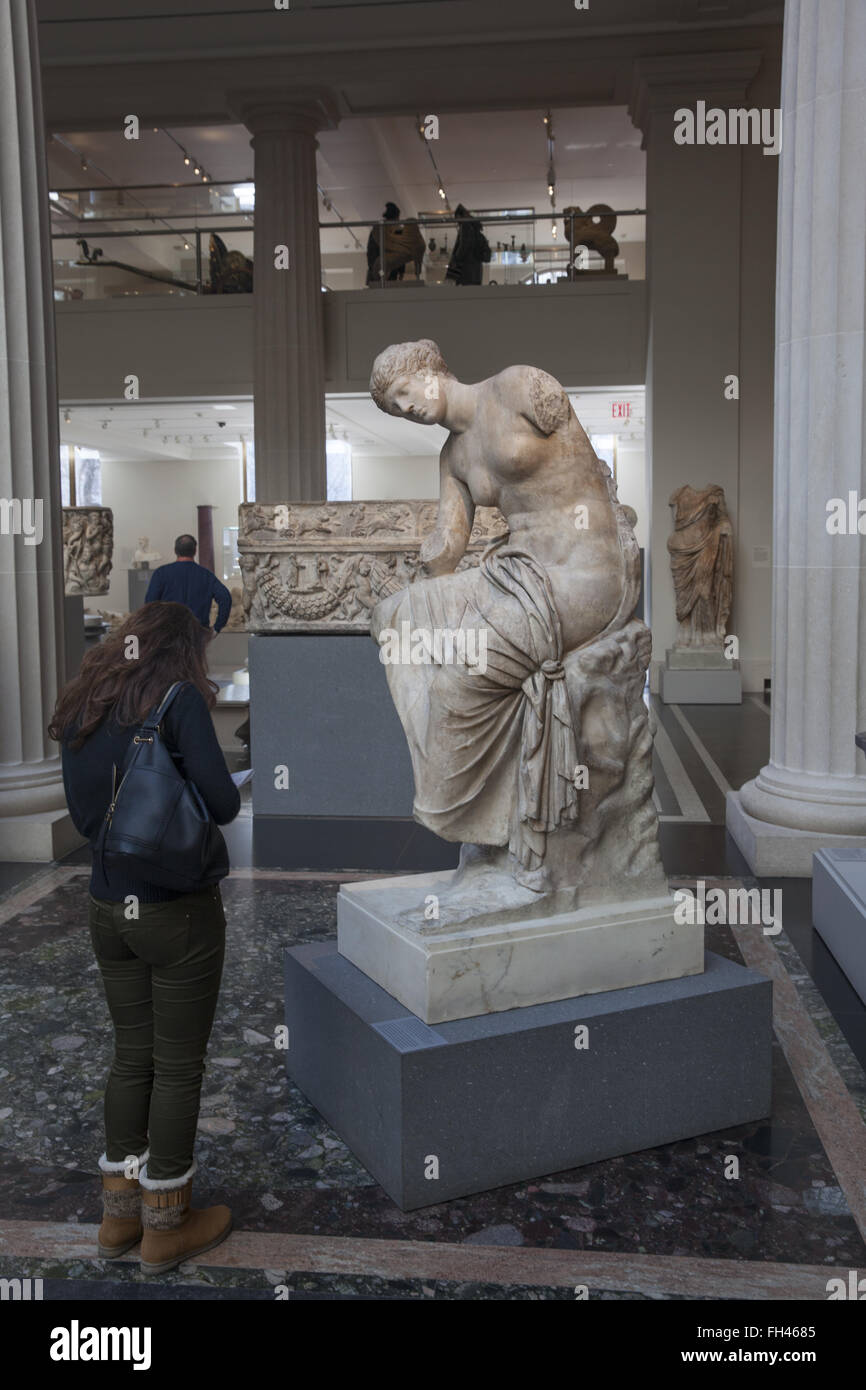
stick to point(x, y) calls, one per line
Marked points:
point(537, 758)
point(702, 562)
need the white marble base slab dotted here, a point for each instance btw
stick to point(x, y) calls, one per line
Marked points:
point(700, 658)
point(463, 973)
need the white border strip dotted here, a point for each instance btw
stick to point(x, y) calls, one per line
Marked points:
point(712, 767)
point(681, 784)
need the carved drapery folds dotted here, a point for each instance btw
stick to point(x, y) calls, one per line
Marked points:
point(702, 563)
point(323, 566)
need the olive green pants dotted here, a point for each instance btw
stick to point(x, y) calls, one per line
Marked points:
point(161, 973)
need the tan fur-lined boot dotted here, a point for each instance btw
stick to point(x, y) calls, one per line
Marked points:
point(121, 1206)
point(173, 1230)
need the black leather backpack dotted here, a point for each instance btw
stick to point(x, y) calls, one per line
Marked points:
point(157, 827)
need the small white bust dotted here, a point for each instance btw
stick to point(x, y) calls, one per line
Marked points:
point(144, 555)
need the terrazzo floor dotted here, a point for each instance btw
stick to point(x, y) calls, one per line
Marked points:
point(663, 1223)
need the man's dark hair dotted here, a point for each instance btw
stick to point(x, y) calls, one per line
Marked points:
point(185, 545)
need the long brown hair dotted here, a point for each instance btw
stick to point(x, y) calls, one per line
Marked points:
point(131, 671)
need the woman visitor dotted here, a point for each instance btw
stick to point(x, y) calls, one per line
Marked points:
point(160, 951)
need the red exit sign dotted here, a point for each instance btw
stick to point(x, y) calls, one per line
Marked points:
point(620, 410)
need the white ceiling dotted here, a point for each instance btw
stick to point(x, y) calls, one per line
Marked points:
point(185, 430)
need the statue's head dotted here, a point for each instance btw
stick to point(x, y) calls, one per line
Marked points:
point(410, 380)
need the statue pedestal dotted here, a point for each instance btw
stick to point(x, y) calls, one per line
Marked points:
point(839, 909)
point(472, 970)
point(437, 1113)
point(700, 676)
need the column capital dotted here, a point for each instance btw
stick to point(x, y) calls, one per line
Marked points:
point(664, 83)
point(303, 111)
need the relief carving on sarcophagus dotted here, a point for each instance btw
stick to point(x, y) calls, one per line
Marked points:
point(323, 566)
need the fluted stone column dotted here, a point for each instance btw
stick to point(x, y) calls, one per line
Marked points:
point(289, 367)
point(812, 793)
point(33, 824)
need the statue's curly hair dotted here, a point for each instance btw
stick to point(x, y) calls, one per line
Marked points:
point(405, 359)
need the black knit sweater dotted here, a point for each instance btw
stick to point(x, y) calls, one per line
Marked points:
point(189, 734)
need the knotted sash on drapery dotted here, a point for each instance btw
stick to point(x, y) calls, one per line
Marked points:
point(546, 793)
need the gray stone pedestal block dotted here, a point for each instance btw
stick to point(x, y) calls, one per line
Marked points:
point(839, 909)
point(693, 686)
point(440, 1112)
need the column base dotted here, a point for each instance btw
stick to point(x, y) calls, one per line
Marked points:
point(38, 838)
point(777, 851)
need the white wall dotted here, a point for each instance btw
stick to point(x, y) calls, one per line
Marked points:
point(710, 269)
point(631, 486)
point(158, 500)
point(408, 476)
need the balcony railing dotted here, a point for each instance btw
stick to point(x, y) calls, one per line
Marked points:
point(197, 240)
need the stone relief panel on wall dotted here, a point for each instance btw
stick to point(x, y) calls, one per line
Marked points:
point(323, 567)
point(88, 543)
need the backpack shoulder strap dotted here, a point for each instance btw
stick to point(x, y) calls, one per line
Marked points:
point(156, 716)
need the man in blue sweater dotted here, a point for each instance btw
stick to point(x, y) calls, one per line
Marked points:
point(192, 584)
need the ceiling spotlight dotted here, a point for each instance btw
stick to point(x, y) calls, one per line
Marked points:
point(205, 178)
point(550, 190)
point(186, 159)
point(67, 419)
point(553, 230)
point(441, 191)
point(196, 170)
point(84, 163)
point(105, 424)
point(186, 246)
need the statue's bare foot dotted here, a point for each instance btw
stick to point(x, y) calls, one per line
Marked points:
point(476, 859)
point(538, 880)
point(483, 889)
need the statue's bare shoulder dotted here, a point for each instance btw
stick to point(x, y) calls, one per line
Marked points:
point(536, 395)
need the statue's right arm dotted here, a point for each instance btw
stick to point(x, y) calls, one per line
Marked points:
point(445, 547)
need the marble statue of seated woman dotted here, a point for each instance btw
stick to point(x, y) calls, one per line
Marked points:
point(537, 759)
